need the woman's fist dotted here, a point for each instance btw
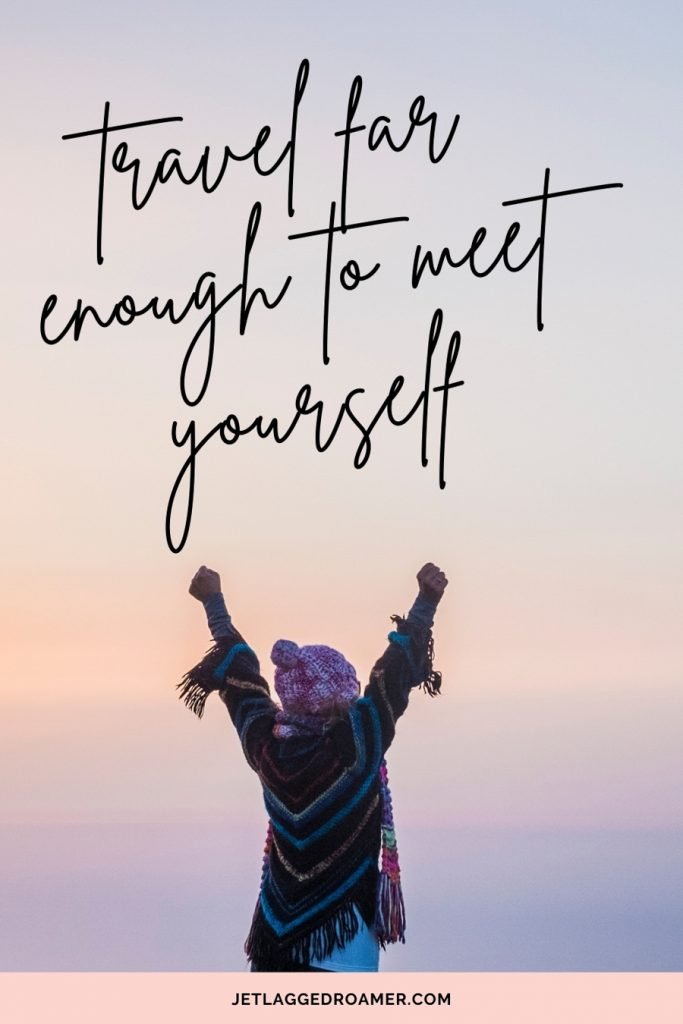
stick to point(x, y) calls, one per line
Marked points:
point(432, 582)
point(205, 582)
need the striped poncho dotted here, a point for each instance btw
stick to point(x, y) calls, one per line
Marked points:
point(321, 792)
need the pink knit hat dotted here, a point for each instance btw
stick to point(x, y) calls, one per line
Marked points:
point(307, 679)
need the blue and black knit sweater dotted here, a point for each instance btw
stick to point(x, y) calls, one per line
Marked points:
point(322, 793)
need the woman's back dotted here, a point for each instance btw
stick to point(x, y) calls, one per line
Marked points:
point(323, 898)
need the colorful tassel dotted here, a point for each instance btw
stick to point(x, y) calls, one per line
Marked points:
point(390, 920)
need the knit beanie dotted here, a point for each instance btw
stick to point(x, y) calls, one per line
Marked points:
point(309, 679)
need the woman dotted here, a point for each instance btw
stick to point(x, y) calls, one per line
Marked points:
point(325, 903)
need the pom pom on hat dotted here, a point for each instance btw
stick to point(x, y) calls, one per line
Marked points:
point(285, 654)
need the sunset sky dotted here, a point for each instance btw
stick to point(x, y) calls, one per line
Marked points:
point(537, 801)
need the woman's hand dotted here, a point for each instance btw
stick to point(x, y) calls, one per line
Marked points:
point(432, 582)
point(205, 582)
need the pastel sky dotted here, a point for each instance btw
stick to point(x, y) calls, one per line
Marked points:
point(550, 767)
